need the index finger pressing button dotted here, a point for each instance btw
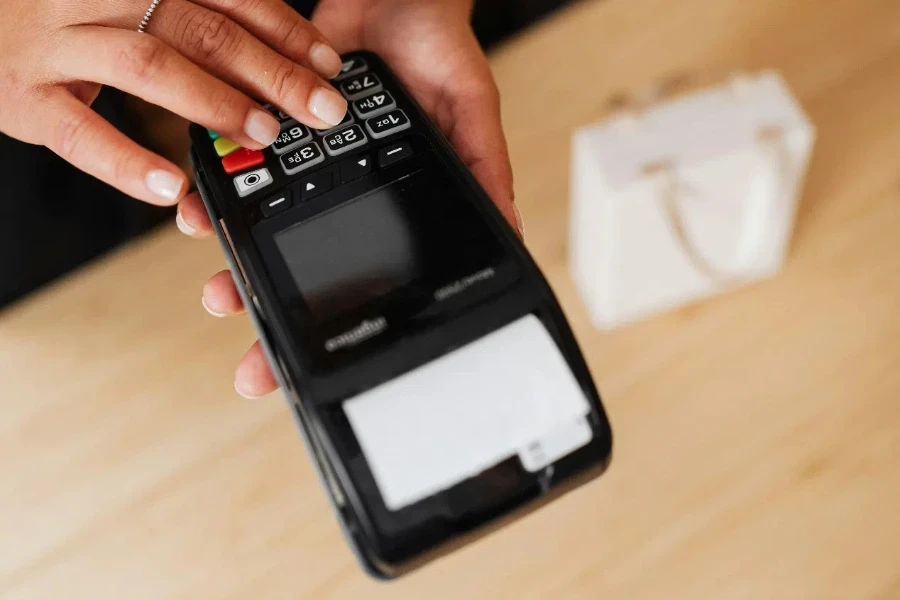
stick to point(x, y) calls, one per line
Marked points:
point(283, 117)
point(347, 120)
point(290, 138)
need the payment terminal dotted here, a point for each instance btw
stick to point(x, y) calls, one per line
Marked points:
point(428, 365)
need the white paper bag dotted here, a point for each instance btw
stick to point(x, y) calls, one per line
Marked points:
point(686, 199)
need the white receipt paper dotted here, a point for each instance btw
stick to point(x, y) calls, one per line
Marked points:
point(465, 412)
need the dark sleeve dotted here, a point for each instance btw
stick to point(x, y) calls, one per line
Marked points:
point(304, 7)
point(54, 218)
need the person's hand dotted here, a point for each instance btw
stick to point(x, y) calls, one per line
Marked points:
point(432, 49)
point(201, 59)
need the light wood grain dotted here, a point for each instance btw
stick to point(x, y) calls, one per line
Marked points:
point(757, 434)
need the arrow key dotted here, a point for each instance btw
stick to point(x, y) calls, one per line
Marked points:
point(356, 167)
point(315, 184)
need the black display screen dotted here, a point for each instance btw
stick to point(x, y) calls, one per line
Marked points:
point(412, 236)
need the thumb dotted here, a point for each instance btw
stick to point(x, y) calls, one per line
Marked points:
point(341, 24)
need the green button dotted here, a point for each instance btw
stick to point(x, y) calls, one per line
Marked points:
point(212, 134)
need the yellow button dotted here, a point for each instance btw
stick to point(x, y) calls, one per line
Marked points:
point(224, 146)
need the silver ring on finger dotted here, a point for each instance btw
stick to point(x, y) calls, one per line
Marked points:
point(147, 16)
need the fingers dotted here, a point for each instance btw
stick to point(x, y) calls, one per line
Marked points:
point(341, 24)
point(477, 134)
point(467, 107)
point(228, 51)
point(192, 218)
point(253, 378)
point(282, 29)
point(220, 296)
point(82, 137)
point(144, 66)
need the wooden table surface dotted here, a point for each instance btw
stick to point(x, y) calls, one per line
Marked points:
point(757, 434)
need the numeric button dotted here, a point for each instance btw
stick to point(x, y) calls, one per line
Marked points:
point(389, 123)
point(343, 141)
point(290, 138)
point(374, 104)
point(360, 86)
point(302, 158)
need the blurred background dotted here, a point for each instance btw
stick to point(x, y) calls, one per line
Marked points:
point(757, 432)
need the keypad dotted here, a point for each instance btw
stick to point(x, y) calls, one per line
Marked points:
point(359, 86)
point(302, 158)
point(339, 142)
point(291, 137)
point(387, 124)
point(348, 152)
point(374, 104)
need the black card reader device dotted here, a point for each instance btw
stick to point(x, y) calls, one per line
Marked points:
point(429, 367)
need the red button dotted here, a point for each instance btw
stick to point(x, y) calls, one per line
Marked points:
point(241, 160)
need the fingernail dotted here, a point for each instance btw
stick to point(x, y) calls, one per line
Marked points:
point(246, 395)
point(327, 105)
point(325, 60)
point(183, 225)
point(165, 184)
point(519, 222)
point(261, 127)
point(209, 310)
